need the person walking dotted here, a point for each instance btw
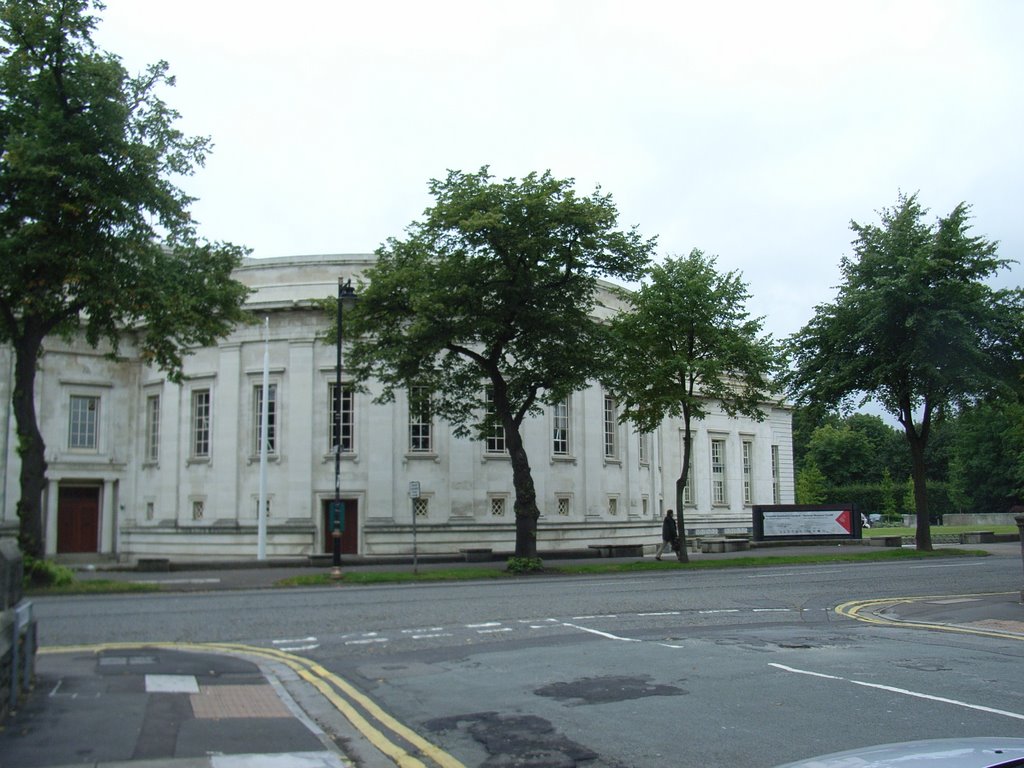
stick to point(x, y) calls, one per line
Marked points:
point(668, 534)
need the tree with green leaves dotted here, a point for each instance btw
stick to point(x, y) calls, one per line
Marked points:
point(95, 238)
point(686, 344)
point(488, 303)
point(916, 327)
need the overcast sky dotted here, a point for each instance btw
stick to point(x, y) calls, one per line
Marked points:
point(754, 131)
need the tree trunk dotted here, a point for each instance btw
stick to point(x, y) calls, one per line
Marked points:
point(525, 505)
point(31, 450)
point(681, 555)
point(923, 534)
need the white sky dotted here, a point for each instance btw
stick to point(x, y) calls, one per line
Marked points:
point(752, 130)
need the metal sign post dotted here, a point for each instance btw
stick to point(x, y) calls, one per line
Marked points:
point(414, 493)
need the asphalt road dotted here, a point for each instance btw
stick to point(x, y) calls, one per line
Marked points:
point(739, 667)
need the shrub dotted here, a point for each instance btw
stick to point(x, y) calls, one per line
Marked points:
point(525, 565)
point(46, 573)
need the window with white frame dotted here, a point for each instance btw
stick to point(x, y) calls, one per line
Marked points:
point(421, 421)
point(747, 447)
point(560, 428)
point(495, 441)
point(83, 424)
point(257, 399)
point(343, 406)
point(611, 428)
point(201, 417)
point(613, 505)
point(645, 506)
point(497, 506)
point(776, 475)
point(153, 429)
point(718, 494)
point(644, 448)
point(563, 505)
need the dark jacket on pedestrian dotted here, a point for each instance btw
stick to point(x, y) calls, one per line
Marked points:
point(668, 529)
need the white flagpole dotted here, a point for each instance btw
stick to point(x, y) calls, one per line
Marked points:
point(261, 546)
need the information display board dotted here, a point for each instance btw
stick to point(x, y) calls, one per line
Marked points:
point(806, 521)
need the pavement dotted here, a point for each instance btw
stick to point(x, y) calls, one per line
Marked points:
point(233, 706)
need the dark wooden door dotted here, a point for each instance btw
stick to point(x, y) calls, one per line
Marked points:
point(350, 534)
point(78, 520)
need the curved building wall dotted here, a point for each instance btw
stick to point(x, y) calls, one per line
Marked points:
point(173, 470)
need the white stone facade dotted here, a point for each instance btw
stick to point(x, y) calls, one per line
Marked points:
point(140, 467)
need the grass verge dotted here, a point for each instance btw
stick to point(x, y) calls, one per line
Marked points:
point(640, 566)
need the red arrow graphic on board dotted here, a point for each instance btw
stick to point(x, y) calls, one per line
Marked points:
point(845, 519)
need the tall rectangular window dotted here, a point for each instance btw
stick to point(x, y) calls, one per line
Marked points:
point(776, 476)
point(748, 472)
point(421, 432)
point(611, 428)
point(343, 402)
point(718, 495)
point(201, 414)
point(257, 400)
point(644, 448)
point(153, 428)
point(83, 422)
point(495, 442)
point(560, 428)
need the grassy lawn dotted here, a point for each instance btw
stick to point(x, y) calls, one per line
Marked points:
point(871, 554)
point(939, 529)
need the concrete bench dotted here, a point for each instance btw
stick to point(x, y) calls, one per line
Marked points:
point(153, 564)
point(723, 544)
point(477, 554)
point(977, 537)
point(886, 541)
point(618, 550)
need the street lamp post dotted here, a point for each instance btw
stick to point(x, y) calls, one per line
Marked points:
point(346, 298)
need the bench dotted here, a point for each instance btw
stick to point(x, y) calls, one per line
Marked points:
point(618, 550)
point(977, 537)
point(885, 541)
point(724, 544)
point(477, 554)
point(153, 564)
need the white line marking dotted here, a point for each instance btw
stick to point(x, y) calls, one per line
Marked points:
point(295, 640)
point(907, 692)
point(293, 648)
point(601, 634)
point(661, 613)
point(595, 616)
point(431, 635)
point(492, 631)
point(722, 610)
point(948, 565)
point(772, 610)
point(367, 641)
point(792, 573)
point(485, 624)
point(422, 629)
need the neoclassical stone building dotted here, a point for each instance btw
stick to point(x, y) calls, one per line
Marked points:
point(141, 467)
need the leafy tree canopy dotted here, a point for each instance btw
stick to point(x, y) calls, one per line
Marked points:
point(685, 345)
point(495, 286)
point(94, 235)
point(915, 326)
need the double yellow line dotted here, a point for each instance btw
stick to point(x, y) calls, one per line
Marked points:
point(869, 611)
point(379, 728)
